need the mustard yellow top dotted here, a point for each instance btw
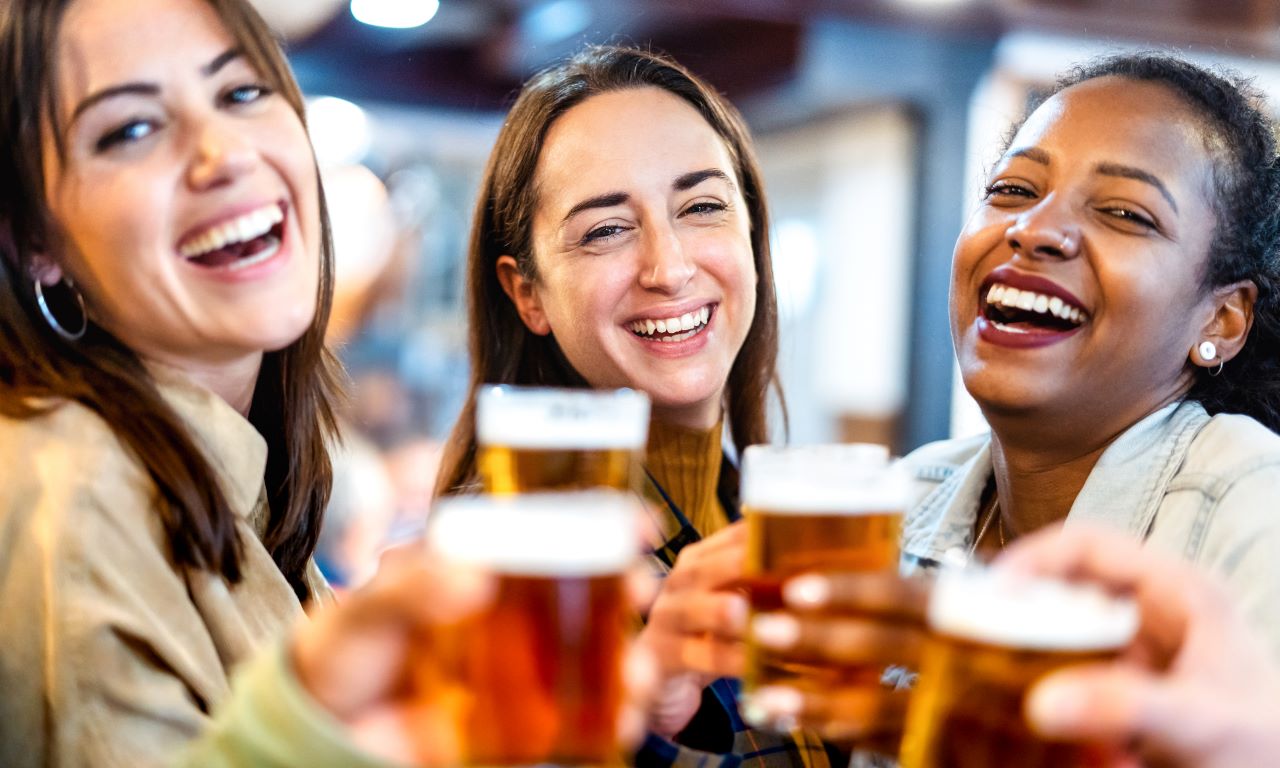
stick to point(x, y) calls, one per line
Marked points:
point(686, 463)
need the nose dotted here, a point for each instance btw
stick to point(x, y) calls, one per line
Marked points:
point(1046, 231)
point(665, 267)
point(221, 155)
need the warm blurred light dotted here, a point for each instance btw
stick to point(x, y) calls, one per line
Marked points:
point(396, 14)
point(339, 130)
point(556, 20)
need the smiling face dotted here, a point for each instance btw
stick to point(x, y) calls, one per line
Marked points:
point(186, 204)
point(1076, 287)
point(642, 248)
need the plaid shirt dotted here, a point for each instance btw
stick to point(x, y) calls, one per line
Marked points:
point(717, 737)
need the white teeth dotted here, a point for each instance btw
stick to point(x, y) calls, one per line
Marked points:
point(1030, 301)
point(682, 327)
point(239, 230)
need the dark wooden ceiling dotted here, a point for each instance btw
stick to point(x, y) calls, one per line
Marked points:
point(475, 53)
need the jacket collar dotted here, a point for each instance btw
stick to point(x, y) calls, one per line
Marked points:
point(235, 449)
point(1124, 490)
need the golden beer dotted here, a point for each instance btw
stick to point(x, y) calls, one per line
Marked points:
point(532, 439)
point(830, 508)
point(536, 676)
point(990, 640)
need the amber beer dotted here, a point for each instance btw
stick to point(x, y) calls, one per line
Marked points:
point(815, 509)
point(991, 637)
point(537, 439)
point(536, 677)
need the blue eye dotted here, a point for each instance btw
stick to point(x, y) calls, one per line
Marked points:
point(134, 130)
point(247, 94)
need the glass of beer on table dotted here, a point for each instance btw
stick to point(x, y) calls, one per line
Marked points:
point(543, 439)
point(536, 677)
point(813, 509)
point(991, 636)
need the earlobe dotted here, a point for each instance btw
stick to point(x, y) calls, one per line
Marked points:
point(1228, 328)
point(44, 269)
point(523, 295)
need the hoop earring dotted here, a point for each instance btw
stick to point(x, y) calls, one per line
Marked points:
point(53, 321)
point(1217, 369)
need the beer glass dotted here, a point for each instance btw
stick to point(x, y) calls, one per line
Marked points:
point(536, 677)
point(814, 509)
point(991, 636)
point(539, 439)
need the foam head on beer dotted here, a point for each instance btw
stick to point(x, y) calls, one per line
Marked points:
point(993, 607)
point(841, 478)
point(579, 533)
point(550, 419)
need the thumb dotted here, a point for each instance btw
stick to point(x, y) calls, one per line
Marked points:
point(1111, 703)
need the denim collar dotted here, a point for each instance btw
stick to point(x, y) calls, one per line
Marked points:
point(1123, 491)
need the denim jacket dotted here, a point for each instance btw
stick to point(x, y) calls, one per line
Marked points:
point(1206, 488)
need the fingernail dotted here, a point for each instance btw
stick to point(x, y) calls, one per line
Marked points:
point(775, 630)
point(736, 613)
point(1051, 704)
point(773, 707)
point(809, 591)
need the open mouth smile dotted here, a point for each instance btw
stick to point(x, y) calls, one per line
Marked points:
point(673, 329)
point(1020, 310)
point(238, 243)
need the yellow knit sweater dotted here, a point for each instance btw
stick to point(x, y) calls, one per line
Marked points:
point(686, 463)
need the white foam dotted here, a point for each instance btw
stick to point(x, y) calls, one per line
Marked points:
point(583, 533)
point(993, 607)
point(851, 478)
point(558, 419)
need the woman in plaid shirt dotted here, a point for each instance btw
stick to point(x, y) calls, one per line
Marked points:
point(621, 240)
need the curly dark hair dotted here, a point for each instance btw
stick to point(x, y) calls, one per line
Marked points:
point(1240, 137)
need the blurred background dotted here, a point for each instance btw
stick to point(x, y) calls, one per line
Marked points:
point(875, 121)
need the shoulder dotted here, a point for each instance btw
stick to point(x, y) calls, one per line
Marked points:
point(72, 485)
point(1232, 446)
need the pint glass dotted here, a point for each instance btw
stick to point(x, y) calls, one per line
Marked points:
point(813, 509)
point(535, 439)
point(536, 677)
point(991, 637)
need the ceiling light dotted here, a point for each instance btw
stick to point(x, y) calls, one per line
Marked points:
point(339, 130)
point(555, 21)
point(395, 14)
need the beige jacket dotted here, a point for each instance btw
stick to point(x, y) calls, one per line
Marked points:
point(108, 655)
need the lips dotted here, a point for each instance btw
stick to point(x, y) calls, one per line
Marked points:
point(1020, 310)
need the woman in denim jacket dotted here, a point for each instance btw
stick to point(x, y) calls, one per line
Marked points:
point(1114, 309)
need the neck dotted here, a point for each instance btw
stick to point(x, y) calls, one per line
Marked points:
point(699, 416)
point(1038, 479)
point(233, 381)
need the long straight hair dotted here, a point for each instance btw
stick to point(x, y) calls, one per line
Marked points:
point(503, 350)
point(297, 387)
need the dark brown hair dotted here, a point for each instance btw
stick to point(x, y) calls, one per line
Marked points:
point(297, 386)
point(503, 350)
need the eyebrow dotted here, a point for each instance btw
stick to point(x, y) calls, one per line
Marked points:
point(682, 183)
point(150, 89)
point(1037, 155)
point(1137, 174)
